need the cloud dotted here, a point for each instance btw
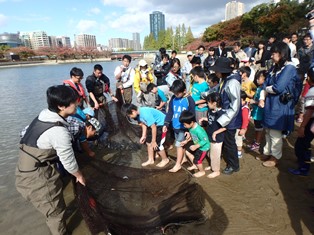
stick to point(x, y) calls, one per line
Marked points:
point(203, 13)
point(84, 26)
point(94, 11)
point(3, 20)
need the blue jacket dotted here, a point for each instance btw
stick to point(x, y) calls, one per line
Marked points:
point(277, 115)
point(231, 102)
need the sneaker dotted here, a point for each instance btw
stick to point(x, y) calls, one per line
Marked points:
point(299, 172)
point(239, 154)
point(255, 146)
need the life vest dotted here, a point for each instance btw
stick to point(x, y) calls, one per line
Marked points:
point(77, 87)
point(31, 157)
point(99, 88)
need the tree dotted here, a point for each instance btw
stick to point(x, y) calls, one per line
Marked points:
point(189, 36)
point(3, 50)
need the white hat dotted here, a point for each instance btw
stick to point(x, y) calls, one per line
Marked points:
point(142, 63)
point(189, 53)
point(95, 123)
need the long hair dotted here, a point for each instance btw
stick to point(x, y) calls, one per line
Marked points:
point(284, 52)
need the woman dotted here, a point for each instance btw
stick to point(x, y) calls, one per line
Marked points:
point(283, 88)
point(210, 59)
point(260, 57)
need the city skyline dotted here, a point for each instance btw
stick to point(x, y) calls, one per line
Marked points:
point(107, 18)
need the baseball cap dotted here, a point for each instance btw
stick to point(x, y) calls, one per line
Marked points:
point(95, 123)
point(189, 53)
point(89, 111)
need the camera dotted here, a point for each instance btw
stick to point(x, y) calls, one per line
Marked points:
point(124, 69)
point(309, 15)
point(285, 98)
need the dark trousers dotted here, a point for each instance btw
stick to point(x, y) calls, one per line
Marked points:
point(302, 147)
point(230, 150)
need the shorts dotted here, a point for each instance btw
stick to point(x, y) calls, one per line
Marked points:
point(238, 139)
point(179, 137)
point(160, 138)
point(258, 125)
point(198, 154)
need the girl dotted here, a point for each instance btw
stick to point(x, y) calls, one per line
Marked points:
point(214, 132)
point(257, 112)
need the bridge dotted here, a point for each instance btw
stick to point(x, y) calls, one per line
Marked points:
point(117, 55)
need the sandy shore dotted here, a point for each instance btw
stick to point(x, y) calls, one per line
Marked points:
point(256, 200)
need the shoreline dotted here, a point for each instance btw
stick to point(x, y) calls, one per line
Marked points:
point(49, 62)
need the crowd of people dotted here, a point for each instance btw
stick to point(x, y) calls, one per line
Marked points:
point(203, 108)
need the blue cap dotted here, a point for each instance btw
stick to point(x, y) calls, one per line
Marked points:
point(89, 111)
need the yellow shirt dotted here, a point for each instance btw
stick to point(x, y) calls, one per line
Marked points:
point(249, 88)
point(141, 77)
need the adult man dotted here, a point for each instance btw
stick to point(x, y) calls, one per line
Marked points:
point(76, 76)
point(46, 143)
point(237, 54)
point(186, 69)
point(97, 84)
point(200, 53)
point(267, 52)
point(230, 88)
point(221, 51)
point(124, 75)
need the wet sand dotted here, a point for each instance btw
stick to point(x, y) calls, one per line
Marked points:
point(255, 200)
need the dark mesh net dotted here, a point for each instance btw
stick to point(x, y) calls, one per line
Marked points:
point(123, 198)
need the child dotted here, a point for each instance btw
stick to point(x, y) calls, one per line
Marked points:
point(257, 112)
point(214, 132)
point(240, 134)
point(179, 102)
point(196, 150)
point(199, 86)
point(154, 120)
point(247, 85)
point(161, 99)
point(81, 131)
point(302, 147)
point(213, 82)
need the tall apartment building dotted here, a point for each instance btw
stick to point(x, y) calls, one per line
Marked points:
point(35, 40)
point(63, 41)
point(85, 40)
point(157, 23)
point(10, 39)
point(234, 9)
point(136, 41)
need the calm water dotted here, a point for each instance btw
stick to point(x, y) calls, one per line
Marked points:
point(22, 98)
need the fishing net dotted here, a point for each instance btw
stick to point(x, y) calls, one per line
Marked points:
point(121, 197)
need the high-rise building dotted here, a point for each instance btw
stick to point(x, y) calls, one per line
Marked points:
point(234, 9)
point(136, 41)
point(85, 40)
point(35, 40)
point(117, 44)
point(157, 23)
point(10, 39)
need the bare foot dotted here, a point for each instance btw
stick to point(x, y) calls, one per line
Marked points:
point(184, 160)
point(208, 168)
point(213, 174)
point(199, 174)
point(193, 167)
point(149, 162)
point(175, 168)
point(163, 163)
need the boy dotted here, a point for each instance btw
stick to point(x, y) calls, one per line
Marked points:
point(247, 85)
point(161, 99)
point(197, 150)
point(81, 131)
point(240, 134)
point(179, 101)
point(45, 142)
point(154, 120)
point(199, 86)
point(213, 83)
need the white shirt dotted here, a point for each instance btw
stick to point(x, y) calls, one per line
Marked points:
point(127, 77)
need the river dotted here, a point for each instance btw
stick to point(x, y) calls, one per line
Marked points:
point(23, 96)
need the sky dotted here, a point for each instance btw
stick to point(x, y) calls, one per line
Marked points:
point(109, 18)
